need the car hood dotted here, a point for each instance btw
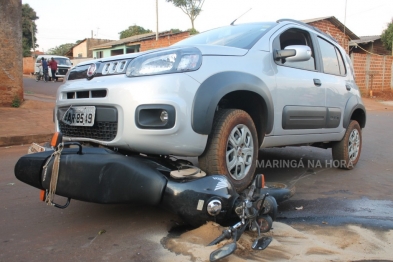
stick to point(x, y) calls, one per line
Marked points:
point(206, 50)
point(220, 50)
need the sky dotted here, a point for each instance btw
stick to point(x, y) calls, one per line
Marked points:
point(66, 21)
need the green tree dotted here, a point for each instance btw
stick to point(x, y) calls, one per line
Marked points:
point(61, 49)
point(28, 23)
point(175, 30)
point(387, 36)
point(133, 30)
point(193, 31)
point(192, 8)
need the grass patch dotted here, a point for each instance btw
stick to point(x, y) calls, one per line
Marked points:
point(16, 102)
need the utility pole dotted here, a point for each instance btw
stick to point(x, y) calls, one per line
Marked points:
point(156, 20)
point(32, 37)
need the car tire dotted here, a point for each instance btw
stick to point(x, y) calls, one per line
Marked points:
point(232, 148)
point(346, 153)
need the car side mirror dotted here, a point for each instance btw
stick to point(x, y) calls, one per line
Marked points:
point(282, 54)
point(303, 53)
point(294, 53)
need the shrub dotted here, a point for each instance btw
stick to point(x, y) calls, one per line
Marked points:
point(16, 102)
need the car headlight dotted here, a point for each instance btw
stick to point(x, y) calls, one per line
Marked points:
point(166, 62)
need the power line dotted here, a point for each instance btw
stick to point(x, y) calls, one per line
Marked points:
point(367, 10)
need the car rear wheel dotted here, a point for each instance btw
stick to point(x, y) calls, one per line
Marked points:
point(232, 148)
point(346, 153)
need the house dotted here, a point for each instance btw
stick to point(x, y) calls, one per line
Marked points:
point(36, 53)
point(138, 43)
point(335, 28)
point(368, 45)
point(83, 48)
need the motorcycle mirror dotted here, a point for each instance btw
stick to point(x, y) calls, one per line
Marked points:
point(223, 252)
point(261, 244)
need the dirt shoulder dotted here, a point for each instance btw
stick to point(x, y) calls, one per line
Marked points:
point(32, 102)
point(376, 104)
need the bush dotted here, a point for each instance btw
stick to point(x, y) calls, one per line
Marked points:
point(193, 31)
point(16, 102)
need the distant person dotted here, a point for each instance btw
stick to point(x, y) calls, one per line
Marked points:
point(53, 68)
point(44, 65)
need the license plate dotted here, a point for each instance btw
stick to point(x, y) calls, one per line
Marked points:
point(80, 116)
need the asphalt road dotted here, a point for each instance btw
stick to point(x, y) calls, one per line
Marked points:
point(360, 196)
point(31, 87)
point(32, 231)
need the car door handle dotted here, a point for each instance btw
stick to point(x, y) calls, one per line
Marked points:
point(348, 87)
point(317, 82)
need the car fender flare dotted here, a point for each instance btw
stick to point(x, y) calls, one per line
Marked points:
point(352, 105)
point(216, 87)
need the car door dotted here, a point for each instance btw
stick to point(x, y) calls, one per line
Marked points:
point(299, 97)
point(336, 81)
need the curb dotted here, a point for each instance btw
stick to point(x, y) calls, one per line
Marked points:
point(25, 139)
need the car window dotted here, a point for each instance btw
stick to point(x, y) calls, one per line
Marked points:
point(62, 61)
point(350, 65)
point(331, 58)
point(340, 62)
point(241, 36)
point(295, 36)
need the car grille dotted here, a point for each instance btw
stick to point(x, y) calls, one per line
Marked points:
point(62, 71)
point(108, 68)
point(104, 131)
point(85, 94)
point(104, 128)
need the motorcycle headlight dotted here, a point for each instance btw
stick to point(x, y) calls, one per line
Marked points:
point(166, 62)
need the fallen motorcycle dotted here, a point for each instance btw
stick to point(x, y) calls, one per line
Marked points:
point(101, 175)
point(256, 211)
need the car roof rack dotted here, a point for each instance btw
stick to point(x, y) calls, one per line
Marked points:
point(307, 25)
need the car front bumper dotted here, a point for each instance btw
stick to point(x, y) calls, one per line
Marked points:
point(122, 96)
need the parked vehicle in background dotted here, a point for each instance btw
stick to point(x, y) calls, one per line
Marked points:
point(63, 65)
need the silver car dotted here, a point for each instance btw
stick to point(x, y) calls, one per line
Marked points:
point(220, 95)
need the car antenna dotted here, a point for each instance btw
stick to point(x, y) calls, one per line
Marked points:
point(240, 16)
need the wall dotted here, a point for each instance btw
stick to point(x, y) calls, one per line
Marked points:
point(163, 41)
point(11, 67)
point(92, 42)
point(84, 47)
point(375, 47)
point(373, 71)
point(107, 52)
point(28, 65)
point(80, 49)
point(327, 27)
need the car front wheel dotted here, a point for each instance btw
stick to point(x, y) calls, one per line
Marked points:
point(232, 148)
point(347, 152)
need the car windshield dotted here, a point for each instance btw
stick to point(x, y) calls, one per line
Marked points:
point(241, 36)
point(62, 61)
